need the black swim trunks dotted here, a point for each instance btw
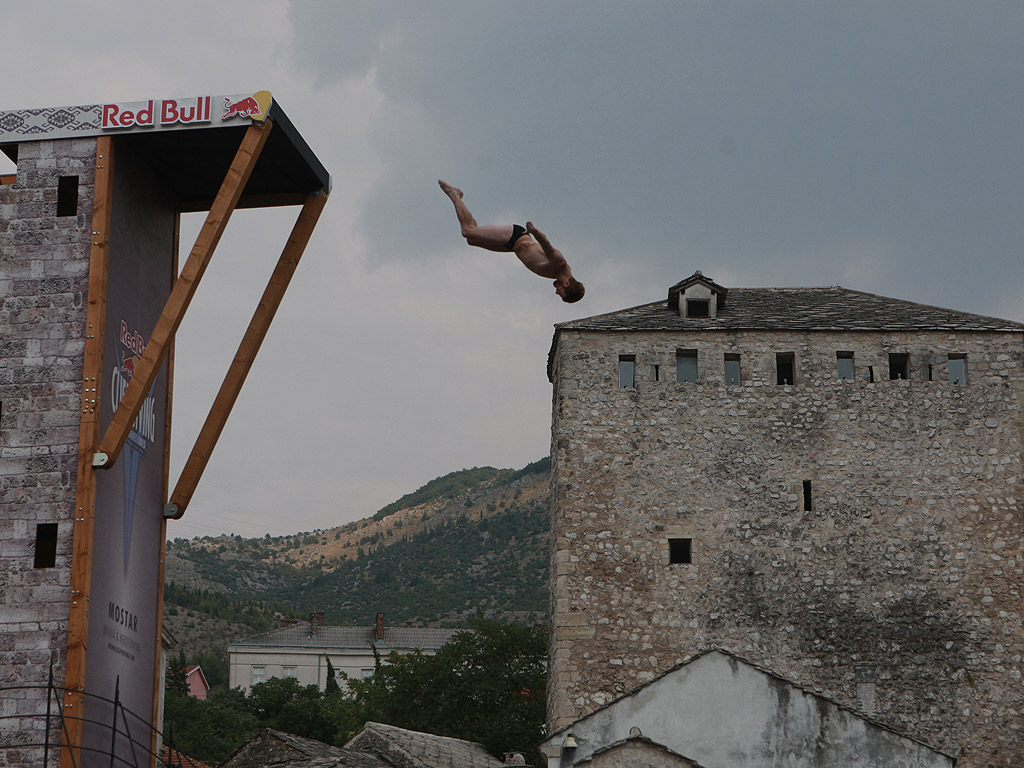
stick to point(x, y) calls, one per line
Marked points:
point(517, 232)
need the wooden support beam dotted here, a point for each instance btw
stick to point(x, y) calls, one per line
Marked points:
point(246, 354)
point(88, 439)
point(181, 294)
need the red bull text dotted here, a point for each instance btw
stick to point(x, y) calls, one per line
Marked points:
point(153, 112)
point(132, 339)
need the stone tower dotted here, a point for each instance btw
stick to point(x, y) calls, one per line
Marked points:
point(822, 481)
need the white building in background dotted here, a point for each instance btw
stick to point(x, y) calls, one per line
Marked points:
point(301, 651)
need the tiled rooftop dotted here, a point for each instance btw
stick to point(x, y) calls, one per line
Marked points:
point(302, 636)
point(801, 309)
point(270, 748)
point(424, 750)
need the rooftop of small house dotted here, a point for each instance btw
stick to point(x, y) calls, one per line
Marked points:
point(307, 635)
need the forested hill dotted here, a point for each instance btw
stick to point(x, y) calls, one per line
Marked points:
point(471, 541)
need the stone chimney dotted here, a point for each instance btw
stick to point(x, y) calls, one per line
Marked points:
point(379, 630)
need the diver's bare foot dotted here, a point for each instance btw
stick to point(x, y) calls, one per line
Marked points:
point(449, 190)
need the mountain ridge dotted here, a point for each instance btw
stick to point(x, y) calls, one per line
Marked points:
point(471, 542)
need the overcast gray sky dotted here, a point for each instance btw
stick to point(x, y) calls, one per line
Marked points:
point(874, 145)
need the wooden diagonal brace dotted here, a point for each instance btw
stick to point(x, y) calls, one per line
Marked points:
point(181, 294)
point(246, 354)
point(89, 433)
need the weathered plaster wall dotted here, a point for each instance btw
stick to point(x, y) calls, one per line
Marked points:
point(898, 592)
point(44, 262)
point(718, 711)
point(637, 754)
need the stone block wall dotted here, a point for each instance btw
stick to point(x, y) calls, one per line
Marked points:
point(861, 538)
point(44, 263)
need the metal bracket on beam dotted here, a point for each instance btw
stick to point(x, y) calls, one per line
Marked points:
point(100, 460)
point(171, 511)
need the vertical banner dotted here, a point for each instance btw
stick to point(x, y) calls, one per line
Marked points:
point(124, 623)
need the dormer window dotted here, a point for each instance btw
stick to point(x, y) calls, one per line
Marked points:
point(696, 297)
point(698, 308)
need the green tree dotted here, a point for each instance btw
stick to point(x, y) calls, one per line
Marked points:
point(214, 664)
point(177, 679)
point(208, 730)
point(286, 705)
point(485, 685)
point(332, 680)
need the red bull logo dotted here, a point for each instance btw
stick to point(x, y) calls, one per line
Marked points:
point(247, 107)
point(254, 106)
point(122, 373)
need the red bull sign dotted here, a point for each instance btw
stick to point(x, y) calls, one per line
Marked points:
point(166, 112)
point(149, 115)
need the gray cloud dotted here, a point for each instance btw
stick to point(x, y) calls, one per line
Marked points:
point(870, 144)
point(842, 124)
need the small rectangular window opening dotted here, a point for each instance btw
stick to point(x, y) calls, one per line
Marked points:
point(679, 551)
point(627, 371)
point(655, 372)
point(67, 196)
point(957, 365)
point(698, 308)
point(931, 372)
point(9, 166)
point(871, 374)
point(808, 505)
point(899, 365)
point(844, 366)
point(785, 367)
point(686, 365)
point(46, 545)
point(732, 368)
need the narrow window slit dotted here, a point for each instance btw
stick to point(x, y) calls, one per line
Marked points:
point(732, 368)
point(46, 545)
point(627, 371)
point(808, 505)
point(957, 367)
point(844, 366)
point(67, 196)
point(785, 367)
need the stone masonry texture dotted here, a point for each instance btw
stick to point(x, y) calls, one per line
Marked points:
point(44, 264)
point(861, 538)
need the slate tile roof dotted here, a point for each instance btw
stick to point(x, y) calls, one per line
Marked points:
point(301, 635)
point(376, 746)
point(413, 749)
point(280, 750)
point(801, 309)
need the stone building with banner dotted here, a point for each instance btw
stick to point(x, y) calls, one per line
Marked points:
point(91, 296)
point(821, 483)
